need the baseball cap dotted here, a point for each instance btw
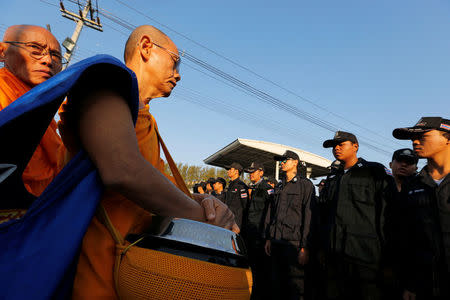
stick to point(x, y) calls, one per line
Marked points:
point(423, 125)
point(254, 166)
point(236, 166)
point(406, 155)
point(211, 180)
point(339, 137)
point(287, 155)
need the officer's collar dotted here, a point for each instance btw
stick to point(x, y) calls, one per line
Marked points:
point(361, 163)
point(293, 180)
point(426, 178)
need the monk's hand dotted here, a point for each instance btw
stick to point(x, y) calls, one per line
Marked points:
point(216, 212)
point(303, 256)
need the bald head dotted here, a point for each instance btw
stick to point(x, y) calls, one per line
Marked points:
point(31, 53)
point(20, 32)
point(132, 43)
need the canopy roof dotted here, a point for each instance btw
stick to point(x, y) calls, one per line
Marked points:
point(246, 151)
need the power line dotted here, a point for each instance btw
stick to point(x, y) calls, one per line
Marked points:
point(243, 86)
point(253, 72)
point(282, 105)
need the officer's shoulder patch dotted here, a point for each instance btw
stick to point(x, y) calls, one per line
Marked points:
point(243, 195)
point(270, 192)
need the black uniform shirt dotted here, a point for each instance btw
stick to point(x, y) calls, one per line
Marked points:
point(355, 204)
point(425, 234)
point(236, 198)
point(254, 216)
point(289, 215)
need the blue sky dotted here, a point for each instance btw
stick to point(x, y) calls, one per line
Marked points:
point(362, 66)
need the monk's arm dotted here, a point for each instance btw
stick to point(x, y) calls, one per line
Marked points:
point(106, 132)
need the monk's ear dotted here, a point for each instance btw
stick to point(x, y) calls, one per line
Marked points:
point(3, 47)
point(145, 47)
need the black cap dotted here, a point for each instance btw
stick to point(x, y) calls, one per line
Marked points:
point(254, 166)
point(288, 154)
point(222, 181)
point(339, 137)
point(236, 166)
point(423, 125)
point(211, 180)
point(406, 155)
point(321, 183)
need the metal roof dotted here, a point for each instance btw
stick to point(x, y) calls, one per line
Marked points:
point(246, 151)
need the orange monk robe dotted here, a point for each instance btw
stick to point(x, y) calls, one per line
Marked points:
point(46, 161)
point(94, 277)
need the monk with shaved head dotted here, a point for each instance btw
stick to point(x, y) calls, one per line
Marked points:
point(31, 55)
point(129, 163)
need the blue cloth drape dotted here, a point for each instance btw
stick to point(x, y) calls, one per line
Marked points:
point(38, 253)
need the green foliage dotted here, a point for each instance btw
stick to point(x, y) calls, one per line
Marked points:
point(193, 174)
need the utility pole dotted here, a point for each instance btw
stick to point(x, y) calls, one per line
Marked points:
point(81, 20)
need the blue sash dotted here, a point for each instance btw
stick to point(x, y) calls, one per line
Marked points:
point(39, 252)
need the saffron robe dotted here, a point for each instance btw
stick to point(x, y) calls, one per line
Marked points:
point(46, 161)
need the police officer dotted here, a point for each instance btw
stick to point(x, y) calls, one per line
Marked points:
point(287, 228)
point(260, 196)
point(209, 186)
point(425, 259)
point(219, 188)
point(353, 201)
point(403, 165)
point(236, 196)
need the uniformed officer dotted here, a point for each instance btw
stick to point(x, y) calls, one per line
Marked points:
point(209, 186)
point(425, 234)
point(403, 165)
point(287, 229)
point(352, 204)
point(260, 196)
point(236, 196)
point(219, 188)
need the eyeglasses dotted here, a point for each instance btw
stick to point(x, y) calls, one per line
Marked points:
point(37, 52)
point(176, 60)
point(285, 161)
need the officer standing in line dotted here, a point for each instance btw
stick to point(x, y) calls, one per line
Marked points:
point(353, 203)
point(403, 165)
point(219, 188)
point(260, 196)
point(236, 196)
point(425, 234)
point(209, 186)
point(287, 228)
